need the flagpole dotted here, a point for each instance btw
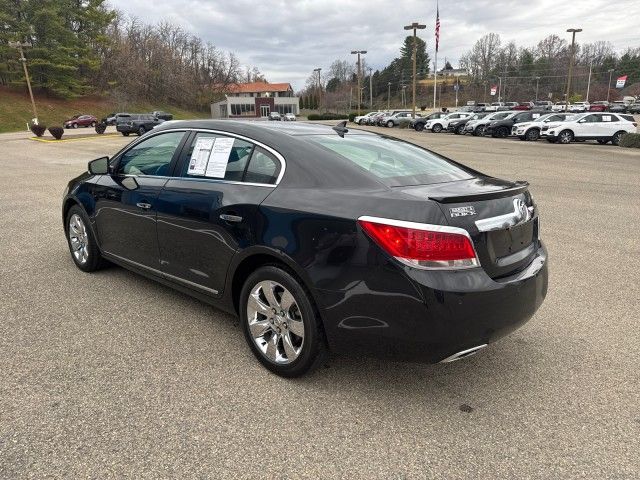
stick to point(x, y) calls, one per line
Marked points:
point(435, 78)
point(435, 60)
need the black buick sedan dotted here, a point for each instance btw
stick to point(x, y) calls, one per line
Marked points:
point(320, 239)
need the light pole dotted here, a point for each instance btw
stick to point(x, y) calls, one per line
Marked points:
point(573, 32)
point(19, 46)
point(388, 94)
point(609, 84)
point(317, 70)
point(404, 96)
point(359, 52)
point(414, 26)
point(370, 89)
point(589, 80)
point(537, 85)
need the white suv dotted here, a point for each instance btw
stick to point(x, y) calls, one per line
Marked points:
point(603, 127)
point(438, 124)
point(579, 107)
point(531, 130)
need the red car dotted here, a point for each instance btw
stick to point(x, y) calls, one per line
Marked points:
point(599, 107)
point(81, 121)
point(524, 106)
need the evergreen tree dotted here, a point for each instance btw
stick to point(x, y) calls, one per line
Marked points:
point(65, 36)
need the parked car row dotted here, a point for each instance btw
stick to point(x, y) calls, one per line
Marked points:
point(80, 121)
point(287, 117)
point(530, 125)
point(112, 118)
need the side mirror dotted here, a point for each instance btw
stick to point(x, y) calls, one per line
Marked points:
point(99, 166)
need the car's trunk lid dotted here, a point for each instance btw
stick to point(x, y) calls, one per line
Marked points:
point(499, 215)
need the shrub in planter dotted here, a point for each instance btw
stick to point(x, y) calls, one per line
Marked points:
point(630, 140)
point(38, 130)
point(101, 127)
point(56, 132)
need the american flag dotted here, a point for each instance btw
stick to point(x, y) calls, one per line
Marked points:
point(437, 26)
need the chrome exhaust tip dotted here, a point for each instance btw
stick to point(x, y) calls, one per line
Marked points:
point(464, 353)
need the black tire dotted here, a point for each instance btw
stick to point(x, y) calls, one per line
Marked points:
point(390, 124)
point(93, 124)
point(94, 260)
point(437, 128)
point(532, 135)
point(565, 137)
point(125, 134)
point(460, 130)
point(314, 347)
point(615, 140)
point(501, 132)
point(419, 127)
point(479, 131)
point(142, 131)
point(75, 125)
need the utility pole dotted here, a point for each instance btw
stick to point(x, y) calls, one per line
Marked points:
point(317, 70)
point(537, 85)
point(414, 26)
point(350, 98)
point(589, 80)
point(370, 89)
point(19, 46)
point(388, 94)
point(404, 96)
point(609, 84)
point(359, 52)
point(499, 88)
point(457, 88)
point(573, 32)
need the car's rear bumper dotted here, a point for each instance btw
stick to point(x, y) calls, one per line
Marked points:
point(421, 315)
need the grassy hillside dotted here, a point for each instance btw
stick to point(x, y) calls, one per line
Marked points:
point(15, 109)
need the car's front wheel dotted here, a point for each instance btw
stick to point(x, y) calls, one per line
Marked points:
point(75, 125)
point(460, 130)
point(390, 124)
point(142, 131)
point(93, 124)
point(479, 131)
point(82, 244)
point(280, 323)
point(437, 128)
point(419, 127)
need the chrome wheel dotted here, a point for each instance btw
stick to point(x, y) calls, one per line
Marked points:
point(78, 238)
point(565, 137)
point(275, 322)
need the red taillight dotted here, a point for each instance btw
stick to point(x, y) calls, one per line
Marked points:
point(421, 245)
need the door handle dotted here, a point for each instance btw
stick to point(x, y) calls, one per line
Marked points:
point(231, 218)
point(144, 205)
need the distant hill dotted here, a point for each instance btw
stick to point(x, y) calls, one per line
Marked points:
point(15, 109)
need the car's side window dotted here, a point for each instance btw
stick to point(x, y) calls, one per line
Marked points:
point(236, 155)
point(591, 119)
point(151, 156)
point(263, 167)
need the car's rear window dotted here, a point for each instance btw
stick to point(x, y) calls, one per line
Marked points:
point(394, 162)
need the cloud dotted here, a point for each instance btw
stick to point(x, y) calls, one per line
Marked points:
point(287, 39)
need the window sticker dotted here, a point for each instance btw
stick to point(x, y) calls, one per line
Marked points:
point(219, 157)
point(200, 156)
point(606, 118)
point(536, 115)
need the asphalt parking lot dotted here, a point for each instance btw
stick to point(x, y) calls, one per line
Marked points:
point(110, 375)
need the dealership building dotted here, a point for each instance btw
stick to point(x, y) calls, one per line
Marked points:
point(256, 99)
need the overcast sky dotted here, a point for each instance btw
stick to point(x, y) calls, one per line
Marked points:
point(287, 39)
